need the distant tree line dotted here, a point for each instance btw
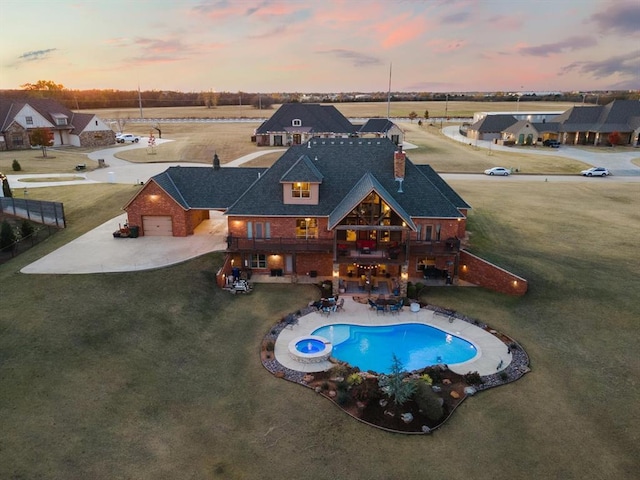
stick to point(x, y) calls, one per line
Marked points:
point(97, 99)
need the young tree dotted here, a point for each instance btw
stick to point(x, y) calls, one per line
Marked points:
point(413, 116)
point(394, 384)
point(614, 138)
point(41, 137)
point(7, 236)
point(426, 114)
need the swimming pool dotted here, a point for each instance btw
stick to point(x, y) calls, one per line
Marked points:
point(415, 344)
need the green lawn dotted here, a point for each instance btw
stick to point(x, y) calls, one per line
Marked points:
point(152, 375)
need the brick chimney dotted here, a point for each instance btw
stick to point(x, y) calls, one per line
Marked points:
point(399, 158)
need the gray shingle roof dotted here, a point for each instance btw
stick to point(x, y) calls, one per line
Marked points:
point(443, 186)
point(206, 188)
point(493, 123)
point(314, 118)
point(46, 107)
point(302, 171)
point(616, 116)
point(376, 125)
point(343, 163)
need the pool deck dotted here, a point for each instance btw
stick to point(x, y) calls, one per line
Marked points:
point(492, 355)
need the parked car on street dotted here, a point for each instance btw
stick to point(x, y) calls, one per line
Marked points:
point(127, 137)
point(497, 171)
point(551, 143)
point(595, 172)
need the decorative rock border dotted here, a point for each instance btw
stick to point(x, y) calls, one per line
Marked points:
point(518, 367)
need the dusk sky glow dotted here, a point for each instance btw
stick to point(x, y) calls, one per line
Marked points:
point(329, 46)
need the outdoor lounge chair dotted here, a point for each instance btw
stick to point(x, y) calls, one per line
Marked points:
point(380, 308)
point(340, 305)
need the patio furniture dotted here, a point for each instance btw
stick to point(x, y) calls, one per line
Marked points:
point(340, 305)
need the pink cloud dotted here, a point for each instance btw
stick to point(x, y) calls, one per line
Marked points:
point(400, 30)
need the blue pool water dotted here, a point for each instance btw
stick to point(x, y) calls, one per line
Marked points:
point(310, 345)
point(416, 345)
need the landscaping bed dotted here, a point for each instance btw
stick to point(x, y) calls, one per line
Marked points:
point(437, 390)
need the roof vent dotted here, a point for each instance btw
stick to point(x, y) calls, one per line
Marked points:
point(316, 158)
point(400, 180)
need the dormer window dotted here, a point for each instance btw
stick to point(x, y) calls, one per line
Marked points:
point(296, 122)
point(60, 119)
point(301, 190)
point(29, 120)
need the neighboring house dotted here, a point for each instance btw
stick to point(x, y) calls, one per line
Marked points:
point(591, 125)
point(379, 128)
point(580, 125)
point(490, 127)
point(295, 123)
point(19, 117)
point(339, 209)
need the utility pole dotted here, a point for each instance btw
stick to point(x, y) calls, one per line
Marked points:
point(389, 92)
point(140, 101)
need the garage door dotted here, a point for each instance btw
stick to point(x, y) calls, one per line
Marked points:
point(157, 225)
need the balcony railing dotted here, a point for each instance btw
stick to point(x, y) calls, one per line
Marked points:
point(279, 244)
point(343, 251)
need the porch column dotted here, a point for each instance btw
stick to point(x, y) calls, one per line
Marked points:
point(404, 278)
point(335, 278)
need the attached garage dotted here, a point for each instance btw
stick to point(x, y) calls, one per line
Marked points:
point(157, 225)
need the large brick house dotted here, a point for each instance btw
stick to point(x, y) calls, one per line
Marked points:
point(295, 123)
point(18, 118)
point(340, 209)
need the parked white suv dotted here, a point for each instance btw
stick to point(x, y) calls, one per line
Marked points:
point(127, 137)
point(595, 172)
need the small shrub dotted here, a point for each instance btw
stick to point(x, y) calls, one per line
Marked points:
point(473, 378)
point(325, 385)
point(269, 346)
point(426, 378)
point(435, 374)
point(411, 290)
point(7, 236)
point(428, 401)
point(503, 376)
point(339, 370)
point(16, 165)
point(342, 397)
point(354, 379)
point(26, 228)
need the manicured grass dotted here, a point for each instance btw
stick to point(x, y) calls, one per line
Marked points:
point(58, 160)
point(157, 374)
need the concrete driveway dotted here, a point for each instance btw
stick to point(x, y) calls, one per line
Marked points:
point(98, 251)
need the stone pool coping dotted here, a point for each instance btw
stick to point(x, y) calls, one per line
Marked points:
point(494, 355)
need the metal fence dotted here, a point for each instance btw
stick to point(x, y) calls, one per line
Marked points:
point(39, 211)
point(25, 243)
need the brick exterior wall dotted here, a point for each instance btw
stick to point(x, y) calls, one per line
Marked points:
point(280, 226)
point(475, 270)
point(152, 200)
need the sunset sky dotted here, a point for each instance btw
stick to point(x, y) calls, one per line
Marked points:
point(322, 46)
